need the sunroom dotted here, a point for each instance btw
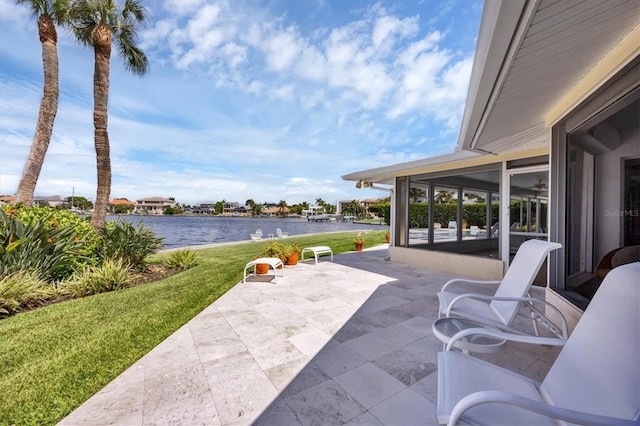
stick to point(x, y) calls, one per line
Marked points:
point(549, 148)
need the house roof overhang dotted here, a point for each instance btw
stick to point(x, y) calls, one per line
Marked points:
point(457, 160)
point(535, 61)
point(535, 65)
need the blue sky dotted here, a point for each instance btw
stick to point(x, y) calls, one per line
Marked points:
point(268, 100)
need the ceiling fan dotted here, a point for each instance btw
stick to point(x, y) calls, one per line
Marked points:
point(539, 186)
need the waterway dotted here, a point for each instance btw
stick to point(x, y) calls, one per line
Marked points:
point(183, 231)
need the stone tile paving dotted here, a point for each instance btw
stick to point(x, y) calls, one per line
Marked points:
point(344, 342)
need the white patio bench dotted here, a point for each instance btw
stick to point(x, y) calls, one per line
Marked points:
point(273, 262)
point(318, 250)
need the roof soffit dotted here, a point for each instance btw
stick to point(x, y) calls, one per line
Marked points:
point(558, 44)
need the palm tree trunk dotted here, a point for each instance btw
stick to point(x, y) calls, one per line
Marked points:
point(47, 114)
point(102, 48)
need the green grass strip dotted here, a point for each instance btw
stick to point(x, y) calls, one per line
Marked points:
point(54, 358)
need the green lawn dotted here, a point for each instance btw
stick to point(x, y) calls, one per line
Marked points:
point(54, 358)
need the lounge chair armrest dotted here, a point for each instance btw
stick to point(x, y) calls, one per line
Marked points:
point(522, 338)
point(447, 311)
point(466, 281)
point(551, 411)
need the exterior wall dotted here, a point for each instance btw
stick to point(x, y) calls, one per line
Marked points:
point(609, 187)
point(471, 266)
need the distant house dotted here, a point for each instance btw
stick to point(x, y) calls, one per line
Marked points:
point(7, 199)
point(275, 211)
point(129, 205)
point(366, 204)
point(235, 209)
point(316, 210)
point(153, 205)
point(53, 201)
point(202, 208)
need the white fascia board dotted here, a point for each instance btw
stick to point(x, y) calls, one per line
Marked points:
point(386, 174)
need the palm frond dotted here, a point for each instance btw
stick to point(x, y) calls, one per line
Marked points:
point(136, 9)
point(135, 61)
point(57, 10)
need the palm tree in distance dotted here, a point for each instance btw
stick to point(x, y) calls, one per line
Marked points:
point(282, 207)
point(416, 193)
point(49, 13)
point(99, 23)
point(444, 197)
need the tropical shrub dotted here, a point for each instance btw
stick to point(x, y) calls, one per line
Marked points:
point(40, 245)
point(60, 219)
point(290, 249)
point(181, 260)
point(22, 290)
point(132, 244)
point(274, 249)
point(110, 275)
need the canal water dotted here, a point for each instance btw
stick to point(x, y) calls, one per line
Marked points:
point(182, 231)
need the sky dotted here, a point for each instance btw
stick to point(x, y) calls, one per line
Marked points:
point(244, 99)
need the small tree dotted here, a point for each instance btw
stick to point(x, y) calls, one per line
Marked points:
point(219, 207)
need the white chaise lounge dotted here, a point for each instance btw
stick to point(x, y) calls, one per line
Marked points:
point(273, 262)
point(501, 308)
point(594, 380)
point(316, 251)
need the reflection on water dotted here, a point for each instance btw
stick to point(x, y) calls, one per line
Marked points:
point(181, 231)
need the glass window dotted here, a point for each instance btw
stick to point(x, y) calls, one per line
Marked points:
point(450, 212)
point(631, 214)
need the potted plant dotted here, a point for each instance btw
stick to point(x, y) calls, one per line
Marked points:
point(359, 242)
point(271, 249)
point(261, 268)
point(292, 252)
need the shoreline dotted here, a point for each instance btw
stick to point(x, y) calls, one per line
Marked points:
point(228, 243)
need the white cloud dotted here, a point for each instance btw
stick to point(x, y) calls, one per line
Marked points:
point(183, 7)
point(282, 49)
point(235, 54)
point(388, 26)
point(242, 101)
point(311, 64)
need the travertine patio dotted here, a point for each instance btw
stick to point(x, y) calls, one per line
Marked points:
point(344, 342)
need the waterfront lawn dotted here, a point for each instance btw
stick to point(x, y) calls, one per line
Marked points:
point(54, 358)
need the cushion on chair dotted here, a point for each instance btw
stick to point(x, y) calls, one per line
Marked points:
point(625, 255)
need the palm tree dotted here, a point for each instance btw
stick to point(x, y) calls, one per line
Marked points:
point(282, 207)
point(99, 23)
point(49, 13)
point(416, 193)
point(444, 197)
point(251, 204)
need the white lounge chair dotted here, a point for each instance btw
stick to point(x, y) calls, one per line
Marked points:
point(501, 308)
point(281, 234)
point(257, 236)
point(594, 380)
